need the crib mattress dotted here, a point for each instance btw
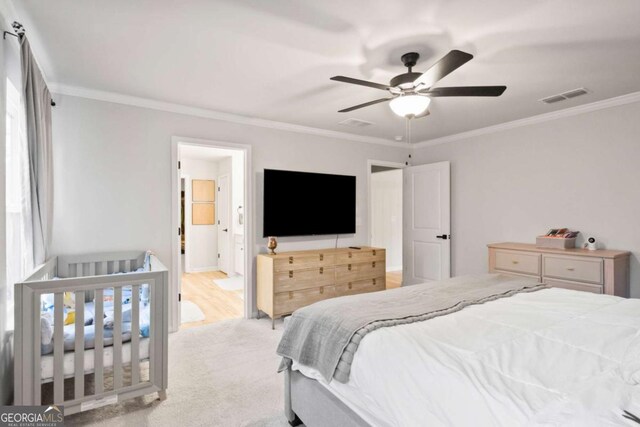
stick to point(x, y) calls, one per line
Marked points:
point(46, 363)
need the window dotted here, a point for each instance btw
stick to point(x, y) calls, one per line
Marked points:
point(18, 198)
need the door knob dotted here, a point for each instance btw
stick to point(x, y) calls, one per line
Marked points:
point(225, 229)
point(444, 236)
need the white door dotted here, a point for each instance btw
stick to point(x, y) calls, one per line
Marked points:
point(224, 232)
point(426, 223)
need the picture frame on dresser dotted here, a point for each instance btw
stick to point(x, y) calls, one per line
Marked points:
point(602, 271)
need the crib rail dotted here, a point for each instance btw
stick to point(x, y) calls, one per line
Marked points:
point(46, 271)
point(27, 339)
point(99, 264)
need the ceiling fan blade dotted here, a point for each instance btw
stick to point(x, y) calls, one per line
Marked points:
point(466, 91)
point(450, 62)
point(366, 104)
point(359, 82)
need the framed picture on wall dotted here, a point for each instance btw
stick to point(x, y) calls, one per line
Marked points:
point(203, 214)
point(203, 210)
point(203, 190)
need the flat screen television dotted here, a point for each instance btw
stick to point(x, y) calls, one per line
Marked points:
point(304, 204)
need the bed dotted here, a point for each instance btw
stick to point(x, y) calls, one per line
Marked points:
point(91, 330)
point(547, 356)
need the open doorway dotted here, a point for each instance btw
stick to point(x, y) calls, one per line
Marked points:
point(385, 213)
point(211, 283)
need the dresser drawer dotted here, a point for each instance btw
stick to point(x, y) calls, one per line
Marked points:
point(596, 289)
point(360, 271)
point(361, 286)
point(518, 262)
point(288, 302)
point(362, 255)
point(290, 280)
point(573, 268)
point(296, 262)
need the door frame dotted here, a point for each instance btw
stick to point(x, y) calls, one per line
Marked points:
point(249, 238)
point(230, 230)
point(370, 163)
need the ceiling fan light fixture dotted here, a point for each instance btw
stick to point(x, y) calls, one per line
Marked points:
point(410, 105)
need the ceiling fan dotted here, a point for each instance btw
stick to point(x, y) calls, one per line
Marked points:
point(411, 92)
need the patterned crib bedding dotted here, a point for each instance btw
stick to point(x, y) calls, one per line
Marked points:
point(47, 319)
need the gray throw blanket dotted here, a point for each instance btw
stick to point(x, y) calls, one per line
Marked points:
point(325, 335)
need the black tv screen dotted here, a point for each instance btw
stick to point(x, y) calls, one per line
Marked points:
point(303, 204)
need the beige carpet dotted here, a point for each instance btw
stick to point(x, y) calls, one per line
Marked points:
point(223, 374)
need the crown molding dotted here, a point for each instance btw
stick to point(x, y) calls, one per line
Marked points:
point(541, 118)
point(118, 98)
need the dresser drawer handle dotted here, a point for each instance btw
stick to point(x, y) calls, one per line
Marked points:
point(570, 268)
point(374, 282)
point(515, 262)
point(321, 257)
point(321, 270)
point(321, 289)
point(350, 285)
point(374, 252)
point(290, 295)
point(373, 264)
point(350, 255)
point(290, 274)
point(290, 260)
point(349, 267)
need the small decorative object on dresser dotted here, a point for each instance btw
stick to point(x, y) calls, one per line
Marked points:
point(597, 271)
point(558, 238)
point(591, 244)
point(291, 280)
point(272, 245)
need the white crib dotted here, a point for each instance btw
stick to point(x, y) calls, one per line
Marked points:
point(88, 277)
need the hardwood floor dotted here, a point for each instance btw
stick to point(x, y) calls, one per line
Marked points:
point(394, 279)
point(216, 303)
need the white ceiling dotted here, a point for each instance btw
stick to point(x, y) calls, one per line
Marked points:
point(273, 59)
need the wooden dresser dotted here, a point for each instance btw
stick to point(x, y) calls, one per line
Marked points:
point(290, 280)
point(599, 271)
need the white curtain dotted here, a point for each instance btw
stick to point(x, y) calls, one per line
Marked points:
point(19, 226)
point(37, 100)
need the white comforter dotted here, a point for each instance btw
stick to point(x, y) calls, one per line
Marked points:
point(552, 357)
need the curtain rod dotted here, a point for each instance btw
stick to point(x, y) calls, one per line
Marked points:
point(20, 32)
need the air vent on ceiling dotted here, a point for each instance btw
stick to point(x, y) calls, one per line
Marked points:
point(355, 123)
point(565, 95)
point(575, 92)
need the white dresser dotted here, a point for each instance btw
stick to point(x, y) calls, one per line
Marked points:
point(600, 271)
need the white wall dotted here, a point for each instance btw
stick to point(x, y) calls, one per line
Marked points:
point(201, 240)
point(386, 215)
point(113, 174)
point(580, 172)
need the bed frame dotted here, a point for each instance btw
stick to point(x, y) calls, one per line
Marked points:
point(86, 276)
point(309, 402)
